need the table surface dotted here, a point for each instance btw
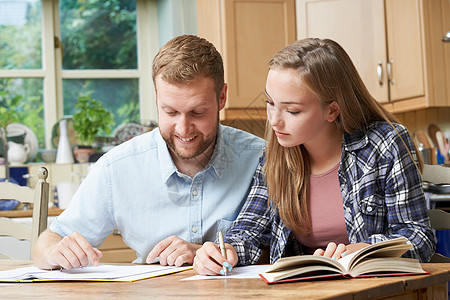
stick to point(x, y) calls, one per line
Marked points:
point(170, 286)
point(28, 213)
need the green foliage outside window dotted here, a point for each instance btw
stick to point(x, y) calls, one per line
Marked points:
point(20, 42)
point(98, 34)
point(95, 34)
point(22, 100)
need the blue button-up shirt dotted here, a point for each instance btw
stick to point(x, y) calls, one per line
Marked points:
point(382, 199)
point(137, 189)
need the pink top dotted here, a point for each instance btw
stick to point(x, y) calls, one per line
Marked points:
point(326, 211)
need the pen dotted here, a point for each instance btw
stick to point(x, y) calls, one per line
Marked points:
point(222, 249)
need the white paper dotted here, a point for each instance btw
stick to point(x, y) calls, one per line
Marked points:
point(252, 271)
point(345, 261)
point(102, 273)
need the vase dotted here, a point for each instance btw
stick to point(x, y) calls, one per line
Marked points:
point(17, 153)
point(64, 154)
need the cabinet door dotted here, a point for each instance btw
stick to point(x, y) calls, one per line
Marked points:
point(254, 32)
point(404, 30)
point(359, 27)
point(247, 33)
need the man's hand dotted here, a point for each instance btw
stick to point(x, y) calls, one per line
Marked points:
point(73, 251)
point(173, 251)
point(210, 261)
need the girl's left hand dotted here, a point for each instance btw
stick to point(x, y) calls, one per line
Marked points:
point(337, 251)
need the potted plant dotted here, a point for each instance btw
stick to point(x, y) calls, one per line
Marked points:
point(89, 121)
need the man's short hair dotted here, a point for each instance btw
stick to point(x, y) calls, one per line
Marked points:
point(186, 58)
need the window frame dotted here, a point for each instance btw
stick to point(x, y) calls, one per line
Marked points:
point(52, 73)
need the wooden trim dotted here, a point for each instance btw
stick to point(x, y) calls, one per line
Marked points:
point(388, 107)
point(49, 65)
point(147, 47)
point(409, 104)
point(30, 73)
point(99, 74)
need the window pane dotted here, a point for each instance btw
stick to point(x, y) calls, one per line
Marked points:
point(119, 96)
point(20, 34)
point(98, 34)
point(24, 96)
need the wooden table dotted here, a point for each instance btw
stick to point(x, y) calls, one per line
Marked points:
point(28, 213)
point(432, 286)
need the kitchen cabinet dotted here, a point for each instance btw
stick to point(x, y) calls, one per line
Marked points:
point(247, 33)
point(395, 45)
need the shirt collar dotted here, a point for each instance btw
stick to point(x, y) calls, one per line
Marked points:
point(356, 140)
point(216, 164)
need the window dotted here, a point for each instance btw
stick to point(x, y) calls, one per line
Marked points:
point(21, 52)
point(53, 51)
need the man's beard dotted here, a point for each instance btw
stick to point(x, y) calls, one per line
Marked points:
point(205, 142)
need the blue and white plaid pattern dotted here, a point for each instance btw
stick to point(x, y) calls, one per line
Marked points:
point(381, 189)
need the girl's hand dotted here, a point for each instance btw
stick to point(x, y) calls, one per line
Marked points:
point(337, 251)
point(209, 260)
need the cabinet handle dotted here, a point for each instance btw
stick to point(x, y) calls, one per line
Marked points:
point(389, 70)
point(380, 72)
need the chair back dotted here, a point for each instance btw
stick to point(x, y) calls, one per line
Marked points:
point(38, 198)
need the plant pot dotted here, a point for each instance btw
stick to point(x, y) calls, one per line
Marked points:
point(82, 153)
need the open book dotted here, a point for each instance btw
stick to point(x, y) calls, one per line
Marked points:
point(379, 259)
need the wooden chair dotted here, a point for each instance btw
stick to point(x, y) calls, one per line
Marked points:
point(38, 197)
point(440, 220)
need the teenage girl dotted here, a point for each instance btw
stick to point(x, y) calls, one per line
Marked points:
point(338, 172)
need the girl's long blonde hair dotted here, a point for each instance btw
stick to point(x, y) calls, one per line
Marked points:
point(327, 71)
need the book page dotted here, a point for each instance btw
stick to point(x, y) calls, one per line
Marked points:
point(300, 261)
point(345, 261)
point(326, 270)
point(387, 265)
point(252, 271)
point(100, 273)
point(390, 248)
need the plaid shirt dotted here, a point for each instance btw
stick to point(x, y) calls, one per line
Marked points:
point(382, 194)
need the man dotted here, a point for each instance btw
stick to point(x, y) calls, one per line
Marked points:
point(166, 191)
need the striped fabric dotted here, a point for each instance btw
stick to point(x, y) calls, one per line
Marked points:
point(381, 190)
